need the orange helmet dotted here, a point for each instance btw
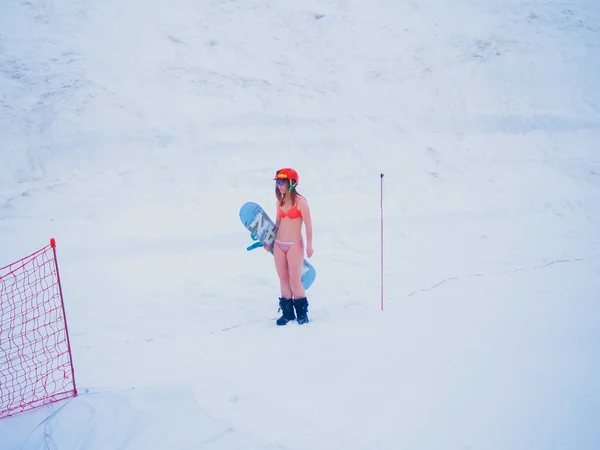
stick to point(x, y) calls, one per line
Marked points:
point(288, 174)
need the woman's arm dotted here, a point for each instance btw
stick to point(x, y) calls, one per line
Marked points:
point(305, 210)
point(277, 218)
point(277, 222)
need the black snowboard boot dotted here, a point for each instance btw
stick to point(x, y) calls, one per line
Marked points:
point(287, 306)
point(301, 305)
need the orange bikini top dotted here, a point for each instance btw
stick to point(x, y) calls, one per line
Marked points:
point(292, 213)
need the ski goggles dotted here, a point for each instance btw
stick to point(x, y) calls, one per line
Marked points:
point(281, 181)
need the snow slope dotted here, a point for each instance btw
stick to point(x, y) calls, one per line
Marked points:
point(133, 131)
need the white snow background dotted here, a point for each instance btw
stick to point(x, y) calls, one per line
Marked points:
point(133, 131)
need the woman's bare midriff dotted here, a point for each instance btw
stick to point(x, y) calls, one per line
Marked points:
point(290, 229)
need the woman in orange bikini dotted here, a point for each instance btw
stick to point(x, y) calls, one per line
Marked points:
point(292, 211)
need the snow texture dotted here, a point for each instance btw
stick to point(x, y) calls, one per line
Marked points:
point(133, 131)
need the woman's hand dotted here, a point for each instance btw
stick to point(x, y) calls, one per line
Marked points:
point(309, 251)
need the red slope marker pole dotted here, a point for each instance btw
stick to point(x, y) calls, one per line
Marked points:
point(381, 232)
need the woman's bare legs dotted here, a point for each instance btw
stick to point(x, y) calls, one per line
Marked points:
point(295, 258)
point(281, 264)
point(286, 303)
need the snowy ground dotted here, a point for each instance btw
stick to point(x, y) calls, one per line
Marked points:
point(133, 131)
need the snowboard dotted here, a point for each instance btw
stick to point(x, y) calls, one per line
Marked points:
point(263, 230)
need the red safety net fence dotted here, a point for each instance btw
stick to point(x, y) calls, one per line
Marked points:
point(35, 353)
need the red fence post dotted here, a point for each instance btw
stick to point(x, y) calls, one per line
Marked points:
point(62, 303)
